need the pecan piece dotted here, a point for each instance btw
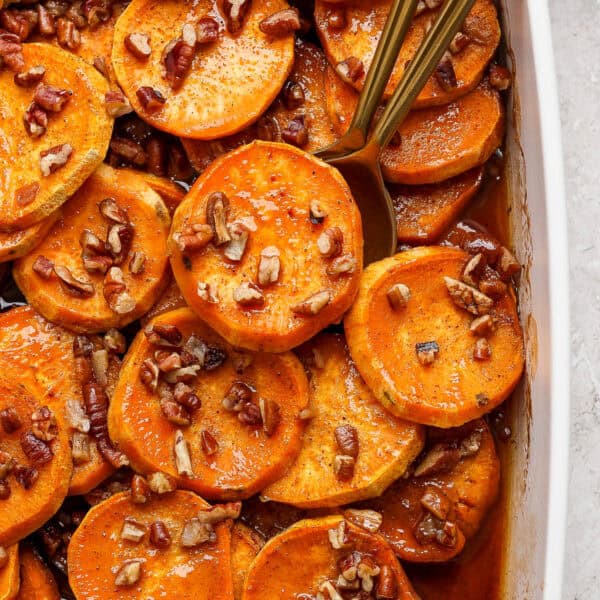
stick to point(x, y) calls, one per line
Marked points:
point(46, 23)
point(159, 535)
point(314, 304)
point(269, 266)
point(116, 104)
point(366, 519)
point(350, 70)
point(468, 297)
point(118, 242)
point(43, 424)
point(43, 267)
point(178, 60)
point(150, 98)
point(110, 210)
point(500, 77)
point(137, 264)
point(207, 30)
point(250, 414)
point(175, 413)
point(27, 194)
point(235, 11)
point(338, 537)
point(133, 531)
point(129, 151)
point(398, 295)
point(208, 292)
point(140, 490)
point(507, 265)
point(55, 158)
point(26, 476)
point(270, 414)
point(183, 460)
point(217, 208)
point(7, 464)
point(247, 294)
point(346, 437)
point(293, 94)
point(195, 533)
point(482, 326)
point(161, 483)
point(331, 242)
point(73, 286)
point(459, 42)
point(342, 265)
point(193, 237)
point(115, 292)
point(129, 573)
point(10, 420)
point(11, 52)
point(30, 77)
point(164, 335)
point(472, 271)
point(236, 246)
point(67, 34)
point(35, 120)
point(238, 394)
point(482, 350)
point(281, 23)
point(208, 443)
point(427, 352)
point(80, 448)
point(36, 450)
point(316, 212)
point(445, 75)
point(343, 467)
point(441, 458)
point(138, 44)
point(436, 502)
point(184, 395)
point(296, 132)
point(51, 98)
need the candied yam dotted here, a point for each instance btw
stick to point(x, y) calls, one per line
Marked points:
point(237, 459)
point(97, 552)
point(171, 193)
point(26, 195)
point(309, 69)
point(365, 21)
point(90, 312)
point(9, 574)
point(245, 545)
point(424, 212)
point(40, 478)
point(272, 190)
point(37, 581)
point(418, 359)
point(17, 243)
point(340, 398)
point(435, 143)
point(39, 354)
point(468, 485)
point(296, 563)
point(231, 82)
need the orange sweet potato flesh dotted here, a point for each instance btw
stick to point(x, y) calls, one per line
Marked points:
point(424, 212)
point(246, 70)
point(37, 581)
point(436, 143)
point(296, 562)
point(471, 485)
point(96, 548)
point(83, 123)
point(365, 22)
point(171, 193)
point(309, 69)
point(17, 243)
point(456, 388)
point(245, 545)
point(272, 185)
point(9, 575)
point(40, 355)
point(27, 509)
point(247, 459)
point(339, 397)
point(150, 219)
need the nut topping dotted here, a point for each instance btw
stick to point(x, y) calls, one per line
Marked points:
point(76, 416)
point(35, 120)
point(207, 292)
point(427, 352)
point(350, 70)
point(178, 58)
point(54, 158)
point(436, 502)
point(459, 42)
point(217, 208)
point(11, 52)
point(482, 350)
point(330, 590)
point(184, 395)
point(313, 304)
point(183, 460)
point(441, 458)
point(159, 535)
point(195, 533)
point(346, 437)
point(342, 265)
point(150, 99)
point(67, 34)
point(26, 194)
point(269, 266)
point(161, 483)
point(10, 420)
point(80, 448)
point(281, 23)
point(26, 476)
point(366, 519)
point(316, 212)
point(207, 31)
point(163, 335)
point(507, 265)
point(137, 264)
point(129, 151)
point(331, 242)
point(250, 415)
point(133, 531)
point(293, 94)
point(247, 294)
point(43, 267)
point(7, 464)
point(208, 443)
point(238, 394)
point(445, 75)
point(468, 297)
point(51, 98)
point(343, 467)
point(234, 12)
point(175, 413)
point(500, 77)
point(149, 374)
point(118, 242)
point(140, 490)
point(193, 237)
point(37, 451)
point(296, 132)
point(30, 77)
point(116, 104)
point(398, 295)
point(220, 512)
point(129, 574)
point(338, 537)
point(115, 292)
point(73, 286)
point(43, 424)
point(270, 415)
point(138, 44)
point(235, 248)
point(473, 269)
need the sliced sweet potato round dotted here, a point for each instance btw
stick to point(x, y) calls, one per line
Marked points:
point(424, 212)
point(37, 471)
point(303, 96)
point(346, 422)
point(84, 275)
point(171, 192)
point(17, 243)
point(37, 581)
point(435, 143)
point(117, 549)
point(245, 545)
point(432, 348)
point(9, 574)
point(310, 556)
point(234, 417)
point(77, 137)
point(429, 516)
point(243, 71)
point(294, 257)
point(40, 355)
point(364, 21)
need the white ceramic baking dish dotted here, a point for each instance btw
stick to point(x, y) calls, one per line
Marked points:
point(538, 480)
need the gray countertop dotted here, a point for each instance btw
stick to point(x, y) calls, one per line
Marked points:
point(576, 33)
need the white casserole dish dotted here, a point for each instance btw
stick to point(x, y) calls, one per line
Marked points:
point(537, 483)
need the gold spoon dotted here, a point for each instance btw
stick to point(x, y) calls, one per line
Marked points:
point(358, 158)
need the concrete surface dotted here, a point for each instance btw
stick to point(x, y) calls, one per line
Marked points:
point(576, 33)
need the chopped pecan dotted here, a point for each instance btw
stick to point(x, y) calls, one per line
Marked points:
point(427, 352)
point(366, 519)
point(459, 42)
point(7, 464)
point(178, 60)
point(491, 285)
point(184, 395)
point(149, 374)
point(118, 242)
point(430, 528)
point(500, 77)
point(43, 424)
point(193, 237)
point(473, 269)
point(296, 132)
point(293, 94)
point(343, 467)
point(367, 569)
point(132, 530)
point(482, 350)
point(350, 70)
point(195, 533)
point(175, 413)
point(507, 265)
point(314, 304)
point(281, 23)
point(35, 120)
point(239, 393)
point(398, 295)
point(207, 30)
point(436, 502)
point(138, 44)
point(247, 294)
point(328, 588)
point(76, 416)
point(234, 12)
point(220, 512)
point(80, 448)
point(30, 77)
point(11, 52)
point(100, 366)
point(208, 292)
point(338, 537)
point(150, 98)
point(55, 158)
point(267, 129)
point(471, 444)
point(116, 104)
point(346, 437)
point(159, 535)
point(5, 492)
point(482, 399)
point(10, 420)
point(115, 292)
point(26, 194)
point(26, 476)
point(348, 566)
point(156, 149)
point(269, 266)
point(316, 212)
point(43, 267)
point(51, 98)
point(137, 263)
point(208, 443)
point(331, 242)
point(67, 34)
point(36, 450)
point(445, 75)
point(468, 297)
point(336, 19)
point(96, 12)
point(217, 208)
point(73, 286)
point(236, 246)
point(250, 414)
point(342, 265)
point(184, 374)
point(183, 460)
point(140, 490)
point(114, 341)
point(110, 209)
point(161, 483)
point(129, 151)
point(441, 458)
point(97, 264)
point(482, 326)
point(19, 22)
point(270, 414)
point(386, 588)
point(129, 573)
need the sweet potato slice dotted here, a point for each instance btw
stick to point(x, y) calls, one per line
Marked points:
point(340, 402)
point(37, 581)
point(461, 474)
point(26, 195)
point(235, 449)
point(260, 302)
point(107, 302)
point(9, 574)
point(418, 353)
point(244, 72)
point(245, 545)
point(171, 193)
point(424, 212)
point(98, 554)
point(435, 143)
point(364, 22)
point(40, 355)
point(306, 101)
point(301, 561)
point(17, 243)
point(37, 472)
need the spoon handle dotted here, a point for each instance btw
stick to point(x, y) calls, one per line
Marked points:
point(425, 60)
